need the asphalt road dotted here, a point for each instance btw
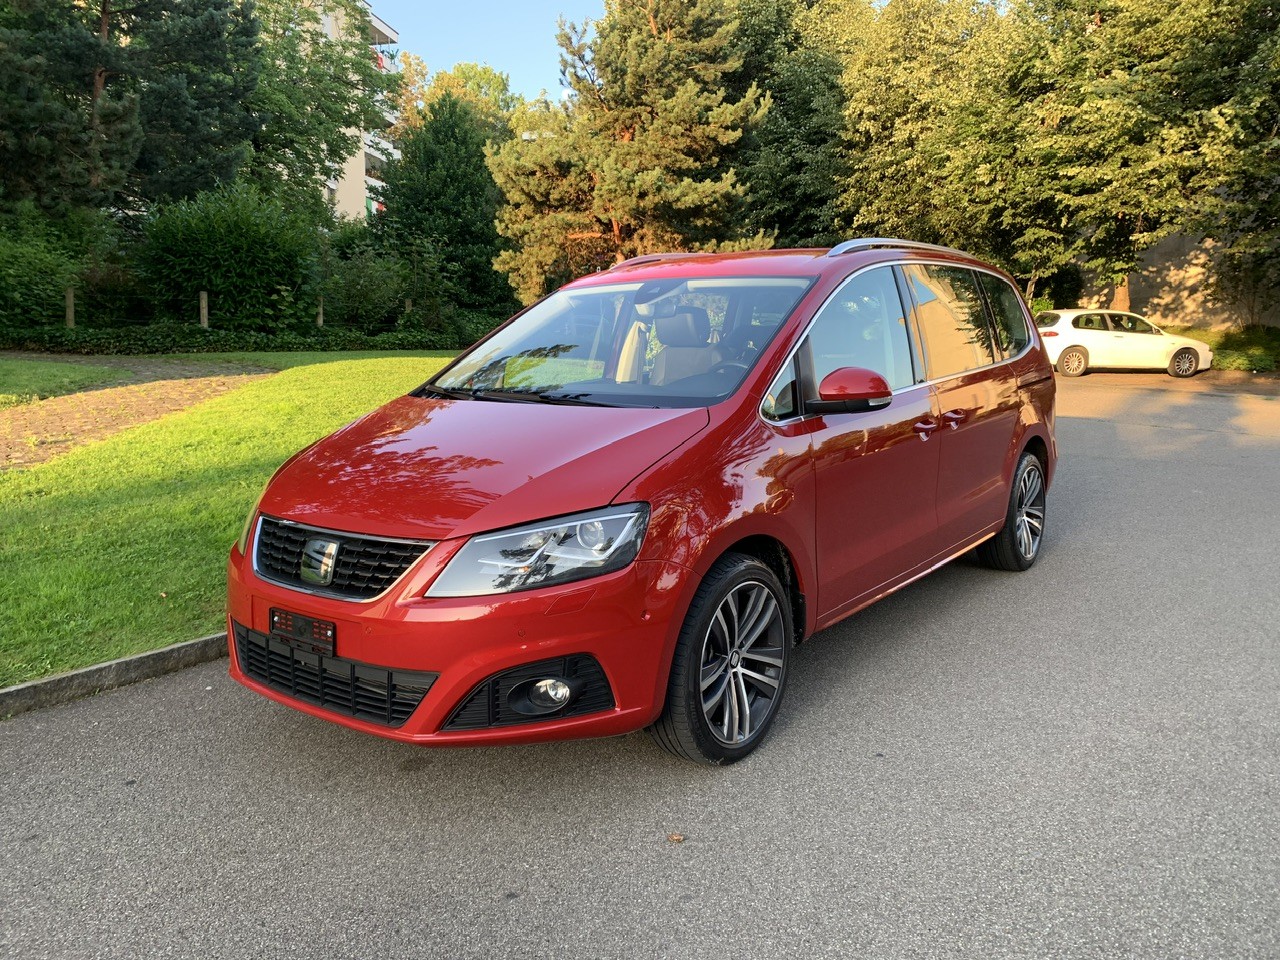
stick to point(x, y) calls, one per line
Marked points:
point(1080, 761)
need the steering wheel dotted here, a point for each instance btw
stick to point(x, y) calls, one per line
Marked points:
point(724, 366)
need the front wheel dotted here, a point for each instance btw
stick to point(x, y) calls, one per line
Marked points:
point(1073, 362)
point(1017, 544)
point(730, 664)
point(1184, 363)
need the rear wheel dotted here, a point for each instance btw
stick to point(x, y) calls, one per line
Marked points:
point(730, 664)
point(1184, 363)
point(1073, 362)
point(1017, 544)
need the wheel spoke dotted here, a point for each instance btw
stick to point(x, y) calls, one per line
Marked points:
point(762, 683)
point(770, 655)
point(713, 671)
point(1033, 486)
point(709, 703)
point(763, 618)
point(744, 714)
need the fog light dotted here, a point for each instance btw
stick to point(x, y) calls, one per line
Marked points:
point(551, 694)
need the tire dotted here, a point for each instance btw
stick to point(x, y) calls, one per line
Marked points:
point(1184, 363)
point(738, 595)
point(1017, 544)
point(1073, 362)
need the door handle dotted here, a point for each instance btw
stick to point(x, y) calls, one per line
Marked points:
point(953, 418)
point(924, 428)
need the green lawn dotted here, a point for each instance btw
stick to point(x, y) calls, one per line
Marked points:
point(22, 381)
point(1253, 348)
point(120, 546)
point(286, 360)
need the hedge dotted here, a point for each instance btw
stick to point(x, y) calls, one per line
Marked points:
point(189, 338)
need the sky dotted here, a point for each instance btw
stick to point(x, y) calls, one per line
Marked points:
point(515, 37)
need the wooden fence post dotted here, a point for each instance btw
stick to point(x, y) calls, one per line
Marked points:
point(320, 311)
point(71, 308)
point(204, 309)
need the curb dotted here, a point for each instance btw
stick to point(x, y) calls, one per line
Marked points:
point(65, 687)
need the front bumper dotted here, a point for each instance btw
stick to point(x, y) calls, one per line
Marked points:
point(627, 621)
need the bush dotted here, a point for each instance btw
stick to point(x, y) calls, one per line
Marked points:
point(257, 260)
point(1255, 359)
point(189, 338)
point(35, 271)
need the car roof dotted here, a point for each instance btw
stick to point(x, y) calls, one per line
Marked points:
point(1077, 311)
point(805, 262)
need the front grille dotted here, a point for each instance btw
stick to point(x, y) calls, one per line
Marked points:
point(359, 690)
point(362, 568)
point(487, 706)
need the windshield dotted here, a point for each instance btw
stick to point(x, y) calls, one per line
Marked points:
point(660, 343)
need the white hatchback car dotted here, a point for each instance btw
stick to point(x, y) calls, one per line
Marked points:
point(1079, 340)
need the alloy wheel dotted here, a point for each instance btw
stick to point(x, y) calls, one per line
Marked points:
point(742, 663)
point(1184, 364)
point(1030, 510)
point(1073, 363)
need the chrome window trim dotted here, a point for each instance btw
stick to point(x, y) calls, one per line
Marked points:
point(426, 545)
point(919, 383)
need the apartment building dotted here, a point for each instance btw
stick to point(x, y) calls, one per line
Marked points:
point(351, 191)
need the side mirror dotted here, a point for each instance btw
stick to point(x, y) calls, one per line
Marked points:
point(851, 390)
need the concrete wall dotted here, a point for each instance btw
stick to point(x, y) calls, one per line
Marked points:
point(1172, 287)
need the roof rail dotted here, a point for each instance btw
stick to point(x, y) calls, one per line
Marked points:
point(877, 243)
point(654, 258)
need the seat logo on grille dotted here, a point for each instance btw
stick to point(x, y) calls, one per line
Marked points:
point(319, 557)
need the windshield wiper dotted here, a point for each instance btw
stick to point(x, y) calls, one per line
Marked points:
point(535, 396)
point(431, 390)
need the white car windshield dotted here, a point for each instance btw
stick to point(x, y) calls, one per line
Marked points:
point(659, 343)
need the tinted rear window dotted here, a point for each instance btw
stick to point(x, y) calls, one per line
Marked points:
point(1047, 319)
point(1011, 322)
point(953, 322)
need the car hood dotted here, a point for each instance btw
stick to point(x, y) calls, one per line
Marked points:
point(435, 468)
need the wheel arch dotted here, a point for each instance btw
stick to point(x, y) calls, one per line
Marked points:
point(773, 553)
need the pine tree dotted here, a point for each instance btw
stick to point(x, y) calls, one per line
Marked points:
point(68, 140)
point(440, 192)
point(198, 63)
point(639, 160)
point(123, 102)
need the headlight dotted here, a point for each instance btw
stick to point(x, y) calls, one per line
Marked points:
point(541, 554)
point(243, 542)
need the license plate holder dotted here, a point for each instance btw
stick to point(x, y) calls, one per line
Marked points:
point(303, 632)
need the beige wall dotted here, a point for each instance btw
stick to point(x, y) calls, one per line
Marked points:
point(1172, 287)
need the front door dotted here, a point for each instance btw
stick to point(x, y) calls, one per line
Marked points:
point(876, 472)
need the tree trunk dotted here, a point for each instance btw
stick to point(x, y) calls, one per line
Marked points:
point(1120, 298)
point(100, 73)
point(1031, 287)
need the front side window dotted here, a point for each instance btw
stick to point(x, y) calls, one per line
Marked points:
point(657, 343)
point(1011, 322)
point(953, 324)
point(1090, 321)
point(1128, 323)
point(863, 325)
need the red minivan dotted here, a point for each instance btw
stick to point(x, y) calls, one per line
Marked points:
point(624, 507)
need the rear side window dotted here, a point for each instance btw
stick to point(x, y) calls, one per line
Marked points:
point(1006, 306)
point(864, 325)
point(953, 323)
